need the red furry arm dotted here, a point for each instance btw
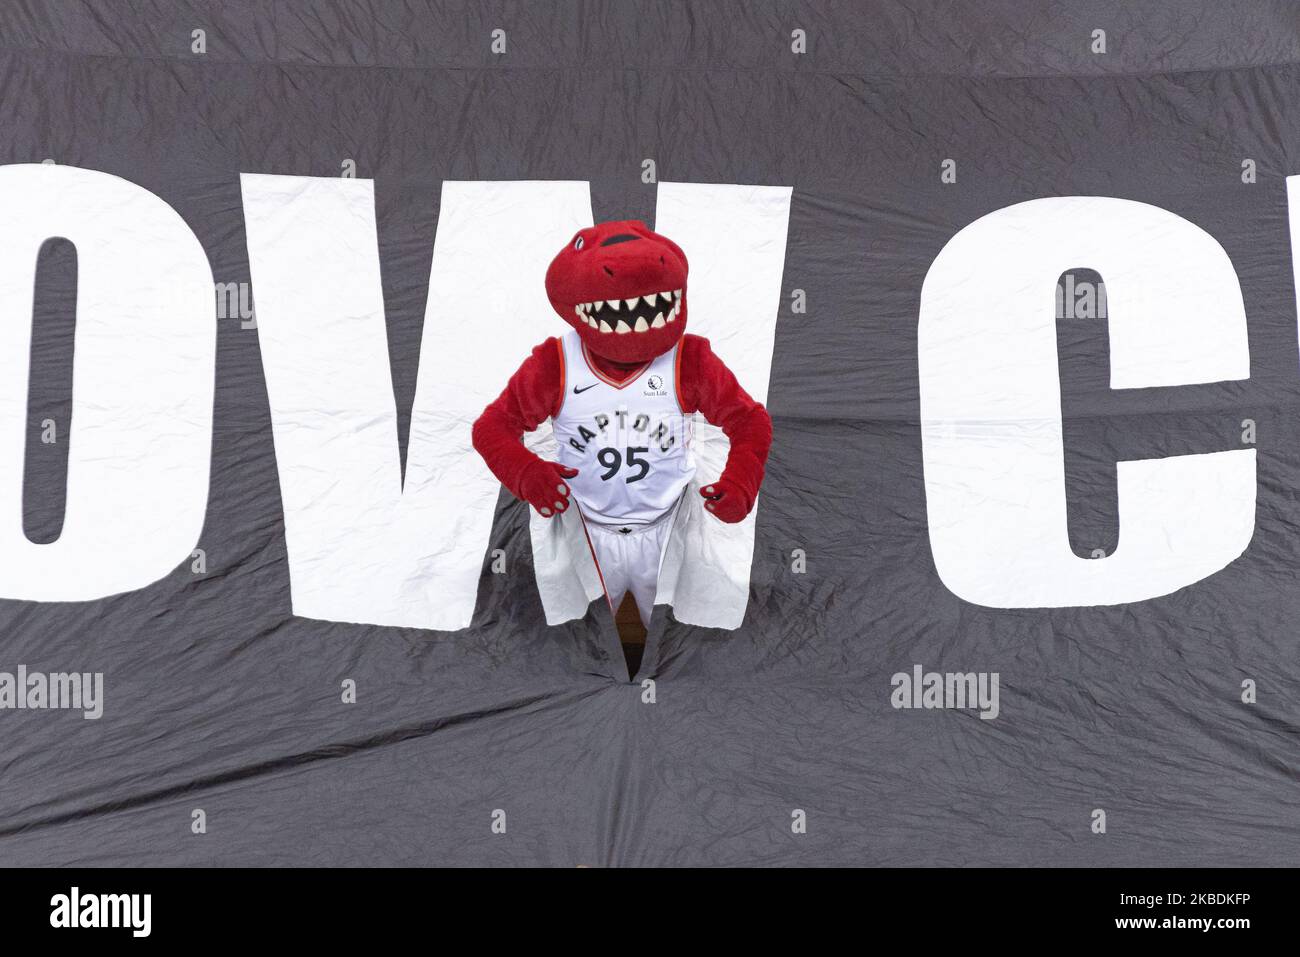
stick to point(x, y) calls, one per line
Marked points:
point(530, 397)
point(706, 385)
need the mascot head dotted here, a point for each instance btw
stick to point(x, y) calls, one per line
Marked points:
point(623, 287)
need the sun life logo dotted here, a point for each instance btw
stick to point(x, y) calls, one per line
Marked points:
point(656, 385)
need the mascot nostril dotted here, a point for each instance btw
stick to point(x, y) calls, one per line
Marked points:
point(621, 388)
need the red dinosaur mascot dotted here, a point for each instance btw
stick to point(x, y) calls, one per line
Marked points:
point(620, 389)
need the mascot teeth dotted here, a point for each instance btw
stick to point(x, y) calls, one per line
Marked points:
point(643, 312)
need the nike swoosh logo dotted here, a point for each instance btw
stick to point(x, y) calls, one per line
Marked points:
point(577, 391)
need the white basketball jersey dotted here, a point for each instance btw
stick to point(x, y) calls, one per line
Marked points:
point(630, 441)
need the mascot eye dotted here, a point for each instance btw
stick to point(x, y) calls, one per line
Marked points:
point(577, 243)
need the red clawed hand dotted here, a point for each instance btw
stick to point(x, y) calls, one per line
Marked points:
point(545, 489)
point(726, 501)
